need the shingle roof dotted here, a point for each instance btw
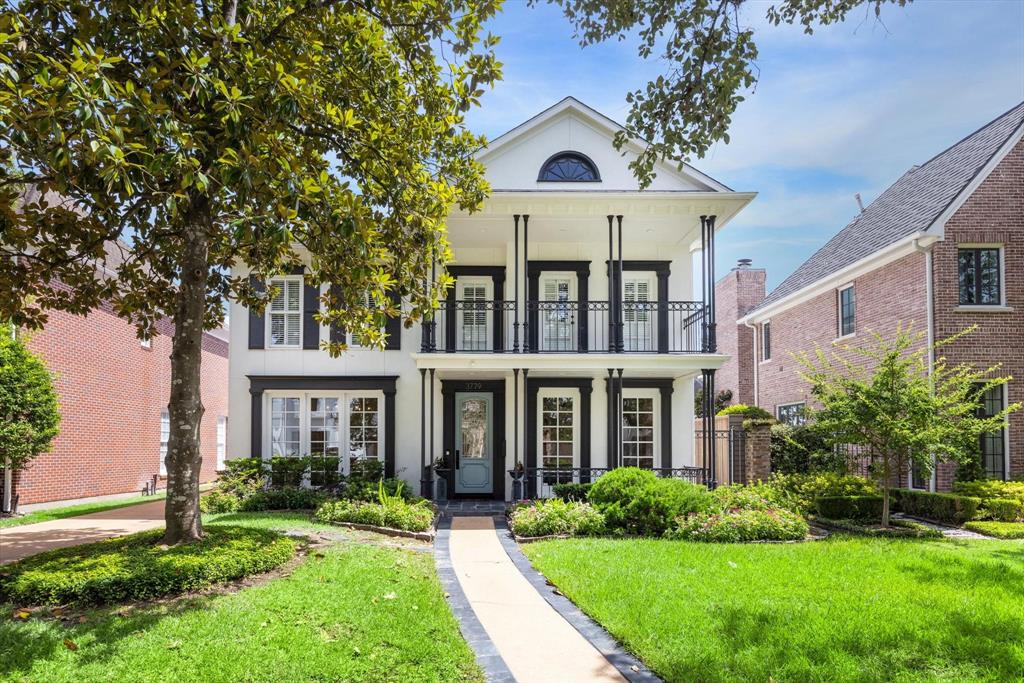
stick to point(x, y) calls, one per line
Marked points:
point(909, 205)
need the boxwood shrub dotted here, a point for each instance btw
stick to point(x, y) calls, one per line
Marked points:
point(638, 502)
point(945, 508)
point(289, 498)
point(859, 508)
point(393, 514)
point(138, 567)
point(739, 525)
point(1002, 510)
point(1005, 530)
point(555, 517)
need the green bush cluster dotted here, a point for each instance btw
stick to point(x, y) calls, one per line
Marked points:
point(556, 517)
point(288, 498)
point(571, 491)
point(1002, 501)
point(802, 449)
point(1004, 530)
point(138, 567)
point(403, 515)
point(759, 496)
point(857, 508)
point(217, 501)
point(741, 525)
point(750, 412)
point(945, 508)
point(636, 501)
point(802, 489)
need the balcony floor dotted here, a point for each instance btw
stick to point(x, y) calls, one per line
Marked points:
point(637, 364)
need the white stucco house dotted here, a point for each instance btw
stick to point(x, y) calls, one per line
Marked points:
point(568, 344)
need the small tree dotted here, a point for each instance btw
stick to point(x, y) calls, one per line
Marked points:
point(890, 403)
point(29, 413)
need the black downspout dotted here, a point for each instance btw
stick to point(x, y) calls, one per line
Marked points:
point(526, 269)
point(620, 345)
point(515, 277)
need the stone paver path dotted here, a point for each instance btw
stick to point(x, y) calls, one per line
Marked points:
point(536, 642)
point(21, 541)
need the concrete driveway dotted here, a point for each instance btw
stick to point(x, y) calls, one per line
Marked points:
point(22, 541)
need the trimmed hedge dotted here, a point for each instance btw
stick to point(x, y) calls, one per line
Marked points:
point(1004, 530)
point(556, 517)
point(393, 514)
point(859, 508)
point(898, 528)
point(1002, 510)
point(752, 412)
point(802, 489)
point(738, 526)
point(571, 491)
point(989, 489)
point(945, 508)
point(283, 499)
point(138, 567)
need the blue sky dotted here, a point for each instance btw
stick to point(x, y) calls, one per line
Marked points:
point(845, 110)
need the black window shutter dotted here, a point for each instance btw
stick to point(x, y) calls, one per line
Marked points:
point(257, 330)
point(393, 327)
point(337, 331)
point(310, 306)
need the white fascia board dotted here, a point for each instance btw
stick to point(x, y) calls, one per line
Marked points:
point(938, 226)
point(882, 257)
point(653, 363)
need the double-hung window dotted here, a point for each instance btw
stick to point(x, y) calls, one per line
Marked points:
point(638, 431)
point(766, 341)
point(847, 304)
point(979, 271)
point(165, 437)
point(285, 312)
point(326, 426)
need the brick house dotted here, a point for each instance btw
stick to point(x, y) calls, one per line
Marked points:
point(737, 293)
point(941, 249)
point(113, 391)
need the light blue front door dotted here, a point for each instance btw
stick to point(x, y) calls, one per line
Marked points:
point(474, 443)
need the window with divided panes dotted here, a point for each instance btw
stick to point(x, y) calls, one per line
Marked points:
point(285, 312)
point(638, 432)
point(558, 438)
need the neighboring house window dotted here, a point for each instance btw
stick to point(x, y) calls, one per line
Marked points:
point(222, 441)
point(978, 270)
point(792, 414)
point(569, 167)
point(558, 438)
point(766, 341)
point(285, 312)
point(638, 432)
point(165, 437)
point(847, 311)
point(993, 444)
point(325, 425)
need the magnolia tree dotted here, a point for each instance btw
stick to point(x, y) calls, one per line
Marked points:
point(883, 397)
point(151, 146)
point(29, 412)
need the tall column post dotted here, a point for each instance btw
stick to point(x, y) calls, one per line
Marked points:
point(433, 317)
point(515, 278)
point(529, 480)
point(619, 341)
point(612, 326)
point(712, 327)
point(517, 486)
point(424, 471)
point(433, 418)
point(704, 284)
point(618, 421)
point(526, 270)
point(610, 417)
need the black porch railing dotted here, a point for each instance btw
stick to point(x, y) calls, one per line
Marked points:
point(478, 326)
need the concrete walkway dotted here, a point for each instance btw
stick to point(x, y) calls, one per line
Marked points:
point(535, 642)
point(21, 541)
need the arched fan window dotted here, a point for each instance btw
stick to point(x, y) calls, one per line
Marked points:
point(569, 167)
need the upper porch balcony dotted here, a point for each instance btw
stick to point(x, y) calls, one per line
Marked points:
point(561, 325)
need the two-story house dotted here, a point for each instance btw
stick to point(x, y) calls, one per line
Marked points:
point(941, 249)
point(568, 344)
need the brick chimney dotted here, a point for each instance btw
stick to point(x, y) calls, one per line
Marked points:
point(739, 291)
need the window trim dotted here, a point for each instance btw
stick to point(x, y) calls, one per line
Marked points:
point(573, 153)
point(268, 339)
point(577, 426)
point(343, 396)
point(766, 341)
point(839, 311)
point(1000, 248)
point(1005, 390)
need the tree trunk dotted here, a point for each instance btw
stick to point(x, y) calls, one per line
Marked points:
point(185, 409)
point(885, 493)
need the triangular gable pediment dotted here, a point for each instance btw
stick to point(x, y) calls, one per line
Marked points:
point(514, 159)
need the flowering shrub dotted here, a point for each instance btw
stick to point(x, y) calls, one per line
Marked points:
point(556, 517)
point(800, 490)
point(739, 525)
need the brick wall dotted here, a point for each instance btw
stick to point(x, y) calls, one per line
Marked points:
point(994, 214)
point(112, 393)
point(735, 295)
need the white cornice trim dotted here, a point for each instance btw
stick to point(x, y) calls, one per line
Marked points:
point(874, 261)
point(675, 365)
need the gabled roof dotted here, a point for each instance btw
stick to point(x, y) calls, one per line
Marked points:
point(919, 202)
point(612, 127)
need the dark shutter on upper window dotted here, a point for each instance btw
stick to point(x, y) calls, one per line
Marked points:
point(337, 331)
point(393, 326)
point(310, 307)
point(257, 329)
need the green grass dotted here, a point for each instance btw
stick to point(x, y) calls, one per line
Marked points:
point(352, 612)
point(75, 510)
point(1010, 530)
point(845, 609)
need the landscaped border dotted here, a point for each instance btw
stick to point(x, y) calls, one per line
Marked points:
point(486, 652)
point(389, 531)
point(631, 668)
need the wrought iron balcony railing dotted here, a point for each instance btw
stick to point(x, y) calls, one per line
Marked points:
point(479, 326)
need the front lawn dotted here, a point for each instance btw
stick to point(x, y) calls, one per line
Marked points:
point(353, 611)
point(79, 509)
point(845, 609)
